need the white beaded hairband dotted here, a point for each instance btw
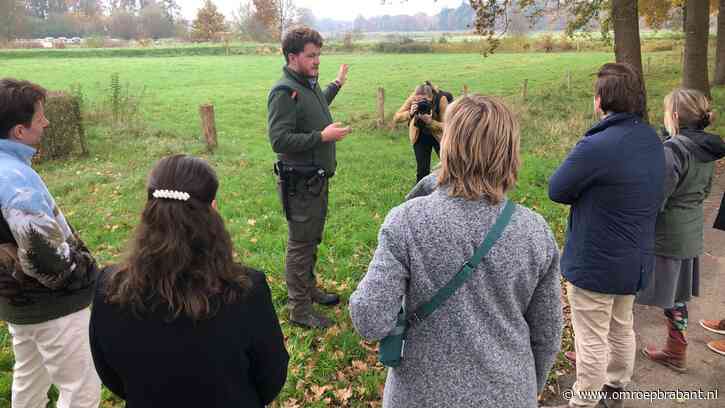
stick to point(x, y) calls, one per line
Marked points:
point(171, 194)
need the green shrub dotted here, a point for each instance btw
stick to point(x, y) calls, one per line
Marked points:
point(66, 134)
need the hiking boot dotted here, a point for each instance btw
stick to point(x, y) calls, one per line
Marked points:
point(323, 298)
point(308, 318)
point(717, 346)
point(673, 355)
point(715, 326)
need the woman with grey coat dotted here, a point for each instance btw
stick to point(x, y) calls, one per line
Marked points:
point(493, 342)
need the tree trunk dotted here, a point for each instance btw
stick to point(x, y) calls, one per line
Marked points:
point(694, 74)
point(627, 46)
point(684, 16)
point(720, 53)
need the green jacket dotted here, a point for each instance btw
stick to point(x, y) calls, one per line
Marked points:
point(297, 113)
point(690, 162)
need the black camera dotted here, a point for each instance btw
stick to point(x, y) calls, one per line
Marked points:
point(424, 107)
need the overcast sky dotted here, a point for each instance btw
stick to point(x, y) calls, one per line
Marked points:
point(337, 9)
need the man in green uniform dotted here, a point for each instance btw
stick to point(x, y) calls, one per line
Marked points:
point(303, 135)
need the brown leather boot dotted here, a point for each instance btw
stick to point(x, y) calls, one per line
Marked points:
point(674, 354)
point(324, 298)
point(307, 317)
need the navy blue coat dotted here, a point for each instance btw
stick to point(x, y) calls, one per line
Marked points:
point(614, 181)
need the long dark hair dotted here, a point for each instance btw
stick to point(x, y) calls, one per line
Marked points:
point(181, 256)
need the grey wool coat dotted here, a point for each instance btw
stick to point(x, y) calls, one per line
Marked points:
point(490, 345)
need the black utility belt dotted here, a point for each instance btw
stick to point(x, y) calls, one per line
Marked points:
point(305, 171)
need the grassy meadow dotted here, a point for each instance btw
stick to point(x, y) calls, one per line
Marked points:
point(102, 195)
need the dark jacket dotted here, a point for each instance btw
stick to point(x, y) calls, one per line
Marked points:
point(235, 359)
point(690, 158)
point(298, 112)
point(720, 220)
point(614, 181)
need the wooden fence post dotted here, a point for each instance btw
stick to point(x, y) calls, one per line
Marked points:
point(568, 81)
point(525, 90)
point(208, 125)
point(465, 90)
point(381, 107)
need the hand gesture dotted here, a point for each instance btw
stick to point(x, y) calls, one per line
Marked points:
point(342, 74)
point(335, 132)
point(414, 104)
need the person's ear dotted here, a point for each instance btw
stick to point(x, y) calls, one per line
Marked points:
point(598, 104)
point(214, 204)
point(15, 132)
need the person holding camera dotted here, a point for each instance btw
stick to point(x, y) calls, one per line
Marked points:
point(424, 111)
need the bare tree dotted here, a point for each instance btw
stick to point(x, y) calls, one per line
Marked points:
point(306, 17)
point(247, 24)
point(286, 14)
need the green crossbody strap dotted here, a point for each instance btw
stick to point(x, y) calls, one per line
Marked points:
point(465, 272)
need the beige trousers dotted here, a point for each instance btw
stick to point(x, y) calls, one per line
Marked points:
point(54, 352)
point(604, 342)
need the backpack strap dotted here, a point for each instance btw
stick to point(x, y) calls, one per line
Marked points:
point(467, 270)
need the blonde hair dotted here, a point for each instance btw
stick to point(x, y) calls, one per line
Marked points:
point(426, 90)
point(479, 149)
point(691, 106)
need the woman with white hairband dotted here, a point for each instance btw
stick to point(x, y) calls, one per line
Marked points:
point(178, 322)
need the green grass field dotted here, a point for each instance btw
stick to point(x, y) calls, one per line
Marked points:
point(102, 195)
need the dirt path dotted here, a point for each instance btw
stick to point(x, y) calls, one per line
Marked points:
point(706, 369)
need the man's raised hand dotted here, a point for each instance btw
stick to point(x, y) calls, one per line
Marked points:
point(342, 74)
point(335, 132)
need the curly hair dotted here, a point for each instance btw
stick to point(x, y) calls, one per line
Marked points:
point(181, 256)
point(296, 38)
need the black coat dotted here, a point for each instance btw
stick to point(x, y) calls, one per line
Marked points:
point(720, 219)
point(235, 359)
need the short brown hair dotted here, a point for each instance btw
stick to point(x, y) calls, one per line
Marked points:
point(17, 103)
point(296, 38)
point(620, 89)
point(479, 149)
